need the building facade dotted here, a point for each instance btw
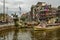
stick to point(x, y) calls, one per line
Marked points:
point(6, 18)
point(42, 11)
point(58, 15)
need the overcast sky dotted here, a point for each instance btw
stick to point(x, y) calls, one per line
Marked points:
point(24, 4)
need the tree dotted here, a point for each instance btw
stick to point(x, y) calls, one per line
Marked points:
point(23, 17)
point(58, 7)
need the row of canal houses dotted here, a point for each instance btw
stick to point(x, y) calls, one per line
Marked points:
point(5, 18)
point(43, 11)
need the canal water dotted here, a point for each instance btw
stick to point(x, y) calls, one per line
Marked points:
point(29, 34)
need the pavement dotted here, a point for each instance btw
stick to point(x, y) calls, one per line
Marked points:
point(7, 24)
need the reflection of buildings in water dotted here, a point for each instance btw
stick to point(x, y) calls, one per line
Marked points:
point(20, 35)
point(38, 35)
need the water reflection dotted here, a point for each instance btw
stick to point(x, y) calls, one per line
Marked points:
point(15, 35)
point(48, 35)
point(25, 34)
point(6, 35)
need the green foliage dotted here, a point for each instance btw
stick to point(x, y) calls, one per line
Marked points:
point(58, 7)
point(16, 20)
point(2, 15)
point(23, 17)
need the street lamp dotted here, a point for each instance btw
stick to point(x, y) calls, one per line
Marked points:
point(3, 10)
point(3, 6)
point(7, 10)
point(19, 12)
point(20, 9)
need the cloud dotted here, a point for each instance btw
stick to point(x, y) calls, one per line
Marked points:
point(13, 5)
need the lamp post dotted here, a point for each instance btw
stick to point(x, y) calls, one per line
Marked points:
point(4, 17)
point(3, 6)
point(19, 12)
point(7, 10)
